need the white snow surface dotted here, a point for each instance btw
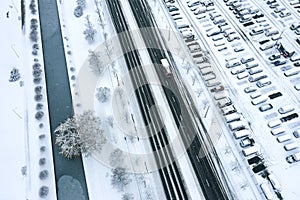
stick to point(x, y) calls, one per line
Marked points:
point(20, 144)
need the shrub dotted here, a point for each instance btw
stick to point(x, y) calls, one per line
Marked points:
point(37, 73)
point(37, 80)
point(43, 136)
point(33, 36)
point(43, 192)
point(43, 149)
point(38, 89)
point(39, 115)
point(43, 174)
point(42, 161)
point(38, 97)
point(78, 12)
point(36, 66)
point(72, 69)
point(39, 106)
point(41, 125)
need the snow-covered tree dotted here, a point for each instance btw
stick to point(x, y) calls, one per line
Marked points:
point(100, 14)
point(33, 36)
point(187, 66)
point(39, 115)
point(194, 78)
point(81, 3)
point(199, 92)
point(110, 121)
point(127, 196)
point(95, 62)
point(78, 11)
point(116, 158)
point(103, 94)
point(43, 192)
point(91, 135)
point(120, 178)
point(80, 134)
point(43, 174)
point(89, 32)
point(67, 139)
point(14, 75)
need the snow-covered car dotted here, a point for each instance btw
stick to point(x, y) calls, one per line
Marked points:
point(293, 158)
point(247, 142)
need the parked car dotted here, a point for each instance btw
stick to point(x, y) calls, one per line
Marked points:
point(293, 158)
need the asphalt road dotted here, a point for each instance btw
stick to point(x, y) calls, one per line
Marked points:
point(59, 96)
point(169, 174)
point(203, 168)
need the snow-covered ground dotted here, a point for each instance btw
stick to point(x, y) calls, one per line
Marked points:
point(22, 134)
point(120, 108)
point(12, 104)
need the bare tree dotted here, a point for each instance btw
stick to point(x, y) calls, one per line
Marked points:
point(187, 66)
point(194, 78)
point(100, 14)
point(80, 134)
point(81, 3)
point(110, 121)
point(116, 158)
point(103, 94)
point(95, 62)
point(89, 32)
point(127, 196)
point(199, 92)
point(120, 178)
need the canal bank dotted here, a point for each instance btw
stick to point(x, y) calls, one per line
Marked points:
point(59, 101)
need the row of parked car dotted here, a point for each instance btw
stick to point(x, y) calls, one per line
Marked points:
point(295, 4)
point(270, 40)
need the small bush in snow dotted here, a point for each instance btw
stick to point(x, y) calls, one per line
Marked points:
point(41, 125)
point(33, 27)
point(43, 192)
point(81, 3)
point(38, 97)
point(14, 75)
point(72, 69)
point(37, 73)
point(43, 149)
point(36, 66)
point(127, 196)
point(39, 115)
point(78, 12)
point(35, 46)
point(36, 60)
point(103, 94)
point(33, 21)
point(43, 174)
point(32, 7)
point(38, 89)
point(43, 136)
point(73, 77)
point(33, 36)
point(34, 52)
point(37, 80)
point(39, 106)
point(42, 161)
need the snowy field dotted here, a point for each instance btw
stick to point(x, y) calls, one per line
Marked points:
point(26, 154)
point(12, 104)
